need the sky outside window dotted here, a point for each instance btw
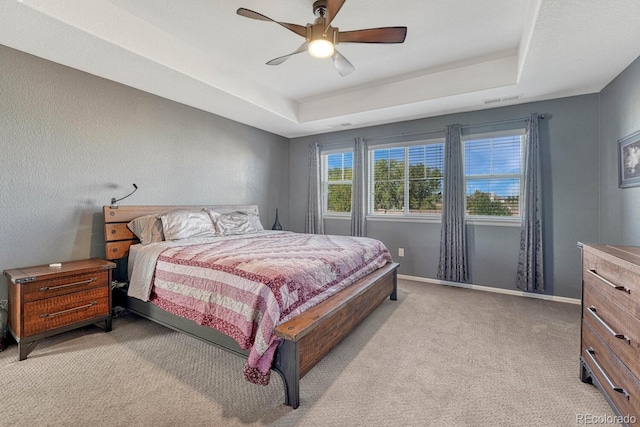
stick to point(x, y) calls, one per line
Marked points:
point(492, 175)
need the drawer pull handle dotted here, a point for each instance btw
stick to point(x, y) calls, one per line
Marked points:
point(53, 288)
point(590, 351)
point(58, 313)
point(608, 282)
point(594, 313)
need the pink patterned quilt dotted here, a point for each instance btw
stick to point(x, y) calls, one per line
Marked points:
point(245, 287)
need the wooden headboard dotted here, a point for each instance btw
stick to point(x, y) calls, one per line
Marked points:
point(117, 236)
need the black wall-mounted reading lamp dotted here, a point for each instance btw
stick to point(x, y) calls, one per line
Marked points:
point(114, 200)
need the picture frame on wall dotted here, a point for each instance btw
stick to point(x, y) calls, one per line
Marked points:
point(629, 161)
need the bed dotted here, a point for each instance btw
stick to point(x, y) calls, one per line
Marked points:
point(300, 340)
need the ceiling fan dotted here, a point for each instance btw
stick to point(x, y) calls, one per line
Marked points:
point(321, 38)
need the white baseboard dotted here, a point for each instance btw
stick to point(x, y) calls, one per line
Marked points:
point(490, 289)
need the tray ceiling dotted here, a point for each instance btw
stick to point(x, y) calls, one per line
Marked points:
point(459, 55)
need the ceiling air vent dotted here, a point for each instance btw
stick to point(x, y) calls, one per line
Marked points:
point(340, 125)
point(498, 100)
point(491, 101)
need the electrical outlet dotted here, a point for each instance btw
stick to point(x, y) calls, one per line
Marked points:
point(400, 251)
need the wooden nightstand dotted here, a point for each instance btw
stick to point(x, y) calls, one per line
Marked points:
point(45, 301)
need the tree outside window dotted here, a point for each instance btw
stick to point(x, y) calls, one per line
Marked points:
point(493, 175)
point(338, 181)
point(407, 180)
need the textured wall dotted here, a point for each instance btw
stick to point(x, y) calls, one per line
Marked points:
point(70, 141)
point(569, 145)
point(619, 208)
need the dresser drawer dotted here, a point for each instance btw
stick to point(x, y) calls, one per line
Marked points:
point(618, 329)
point(618, 382)
point(51, 313)
point(614, 281)
point(64, 285)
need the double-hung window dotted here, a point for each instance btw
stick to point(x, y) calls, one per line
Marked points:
point(406, 179)
point(493, 173)
point(337, 182)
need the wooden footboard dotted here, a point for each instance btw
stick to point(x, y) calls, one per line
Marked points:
point(323, 326)
point(306, 339)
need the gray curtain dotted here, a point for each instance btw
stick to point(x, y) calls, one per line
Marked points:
point(359, 189)
point(313, 221)
point(530, 262)
point(453, 242)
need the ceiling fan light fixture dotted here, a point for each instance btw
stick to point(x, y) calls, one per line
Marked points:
point(321, 48)
point(321, 38)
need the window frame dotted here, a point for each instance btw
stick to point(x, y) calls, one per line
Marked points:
point(489, 219)
point(509, 221)
point(324, 182)
point(405, 216)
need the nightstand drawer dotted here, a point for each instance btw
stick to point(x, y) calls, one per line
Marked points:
point(51, 313)
point(616, 380)
point(68, 284)
point(618, 329)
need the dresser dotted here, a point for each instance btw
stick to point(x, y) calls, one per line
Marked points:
point(46, 300)
point(610, 332)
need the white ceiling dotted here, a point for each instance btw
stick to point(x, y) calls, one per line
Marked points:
point(459, 55)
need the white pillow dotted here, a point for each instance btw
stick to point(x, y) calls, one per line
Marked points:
point(147, 228)
point(183, 223)
point(232, 223)
point(254, 220)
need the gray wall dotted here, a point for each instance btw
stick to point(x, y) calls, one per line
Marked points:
point(569, 145)
point(70, 141)
point(619, 208)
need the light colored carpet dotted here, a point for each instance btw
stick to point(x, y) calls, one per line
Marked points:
point(439, 356)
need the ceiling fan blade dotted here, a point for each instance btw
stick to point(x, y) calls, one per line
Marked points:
point(341, 63)
point(374, 35)
point(298, 29)
point(333, 7)
point(277, 61)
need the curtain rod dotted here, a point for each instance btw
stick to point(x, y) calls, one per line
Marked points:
point(541, 116)
point(500, 122)
point(422, 132)
point(405, 134)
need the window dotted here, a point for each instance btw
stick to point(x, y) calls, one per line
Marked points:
point(337, 179)
point(406, 180)
point(493, 173)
